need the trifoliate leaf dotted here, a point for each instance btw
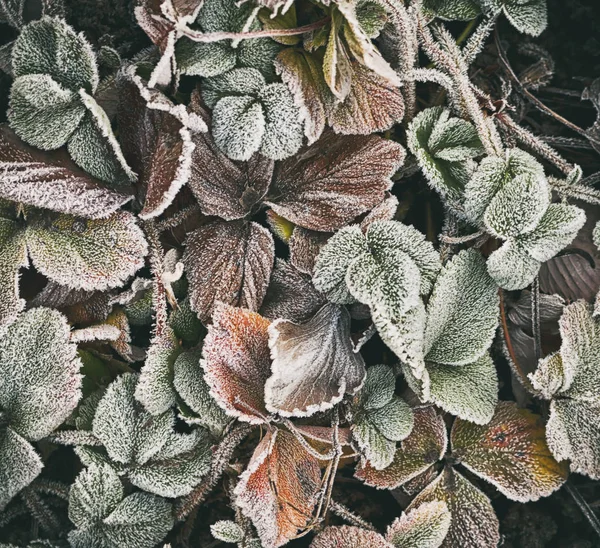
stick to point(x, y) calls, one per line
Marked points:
point(40, 383)
point(283, 128)
point(530, 17)
point(42, 112)
point(510, 452)
point(468, 391)
point(278, 491)
point(444, 148)
point(228, 262)
point(463, 311)
point(454, 10)
point(227, 531)
point(85, 253)
point(237, 362)
point(314, 364)
point(346, 536)
point(474, 523)
point(13, 256)
point(425, 526)
point(333, 181)
point(188, 380)
point(52, 181)
point(424, 446)
point(50, 46)
point(19, 464)
point(511, 267)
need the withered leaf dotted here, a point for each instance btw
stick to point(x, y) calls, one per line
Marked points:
point(156, 144)
point(314, 364)
point(279, 488)
point(229, 262)
point(237, 362)
point(328, 184)
point(336, 62)
point(52, 181)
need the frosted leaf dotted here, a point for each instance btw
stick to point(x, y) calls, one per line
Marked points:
point(283, 128)
point(128, 432)
point(278, 490)
point(67, 57)
point(385, 211)
point(303, 75)
point(97, 491)
point(528, 17)
point(378, 430)
point(454, 10)
point(40, 384)
point(596, 235)
point(372, 105)
point(42, 112)
point(291, 295)
point(206, 60)
point(510, 452)
point(229, 262)
point(305, 246)
point(51, 181)
point(140, 519)
point(443, 147)
point(346, 536)
point(154, 389)
point(188, 380)
point(95, 148)
point(224, 188)
point(463, 311)
point(99, 332)
point(474, 523)
point(237, 362)
point(518, 207)
point(185, 324)
point(333, 181)
point(425, 526)
point(378, 388)
point(239, 126)
point(314, 364)
point(13, 256)
point(83, 253)
point(239, 82)
point(227, 531)
point(156, 143)
point(336, 61)
point(424, 446)
point(19, 464)
point(549, 376)
point(555, 231)
point(511, 267)
point(276, 6)
point(468, 391)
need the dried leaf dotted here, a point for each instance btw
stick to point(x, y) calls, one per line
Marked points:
point(314, 364)
point(237, 362)
point(229, 262)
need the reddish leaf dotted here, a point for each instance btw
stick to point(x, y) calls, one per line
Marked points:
point(474, 523)
point(52, 181)
point(305, 246)
point(314, 364)
point(279, 488)
point(229, 262)
point(425, 446)
point(328, 184)
point(237, 362)
point(156, 143)
point(510, 452)
point(349, 537)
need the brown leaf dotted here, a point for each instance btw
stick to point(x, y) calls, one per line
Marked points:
point(347, 536)
point(279, 488)
point(291, 295)
point(336, 62)
point(229, 262)
point(314, 364)
point(237, 362)
point(328, 184)
point(372, 105)
point(52, 181)
point(156, 144)
point(225, 188)
point(303, 74)
point(305, 246)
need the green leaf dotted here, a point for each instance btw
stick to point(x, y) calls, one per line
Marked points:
point(205, 60)
point(50, 46)
point(85, 253)
point(510, 452)
point(426, 527)
point(227, 531)
point(463, 311)
point(511, 267)
point(452, 10)
point(13, 256)
point(529, 17)
point(378, 388)
point(239, 82)
point(42, 112)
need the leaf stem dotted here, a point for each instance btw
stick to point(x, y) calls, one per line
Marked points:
point(583, 506)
